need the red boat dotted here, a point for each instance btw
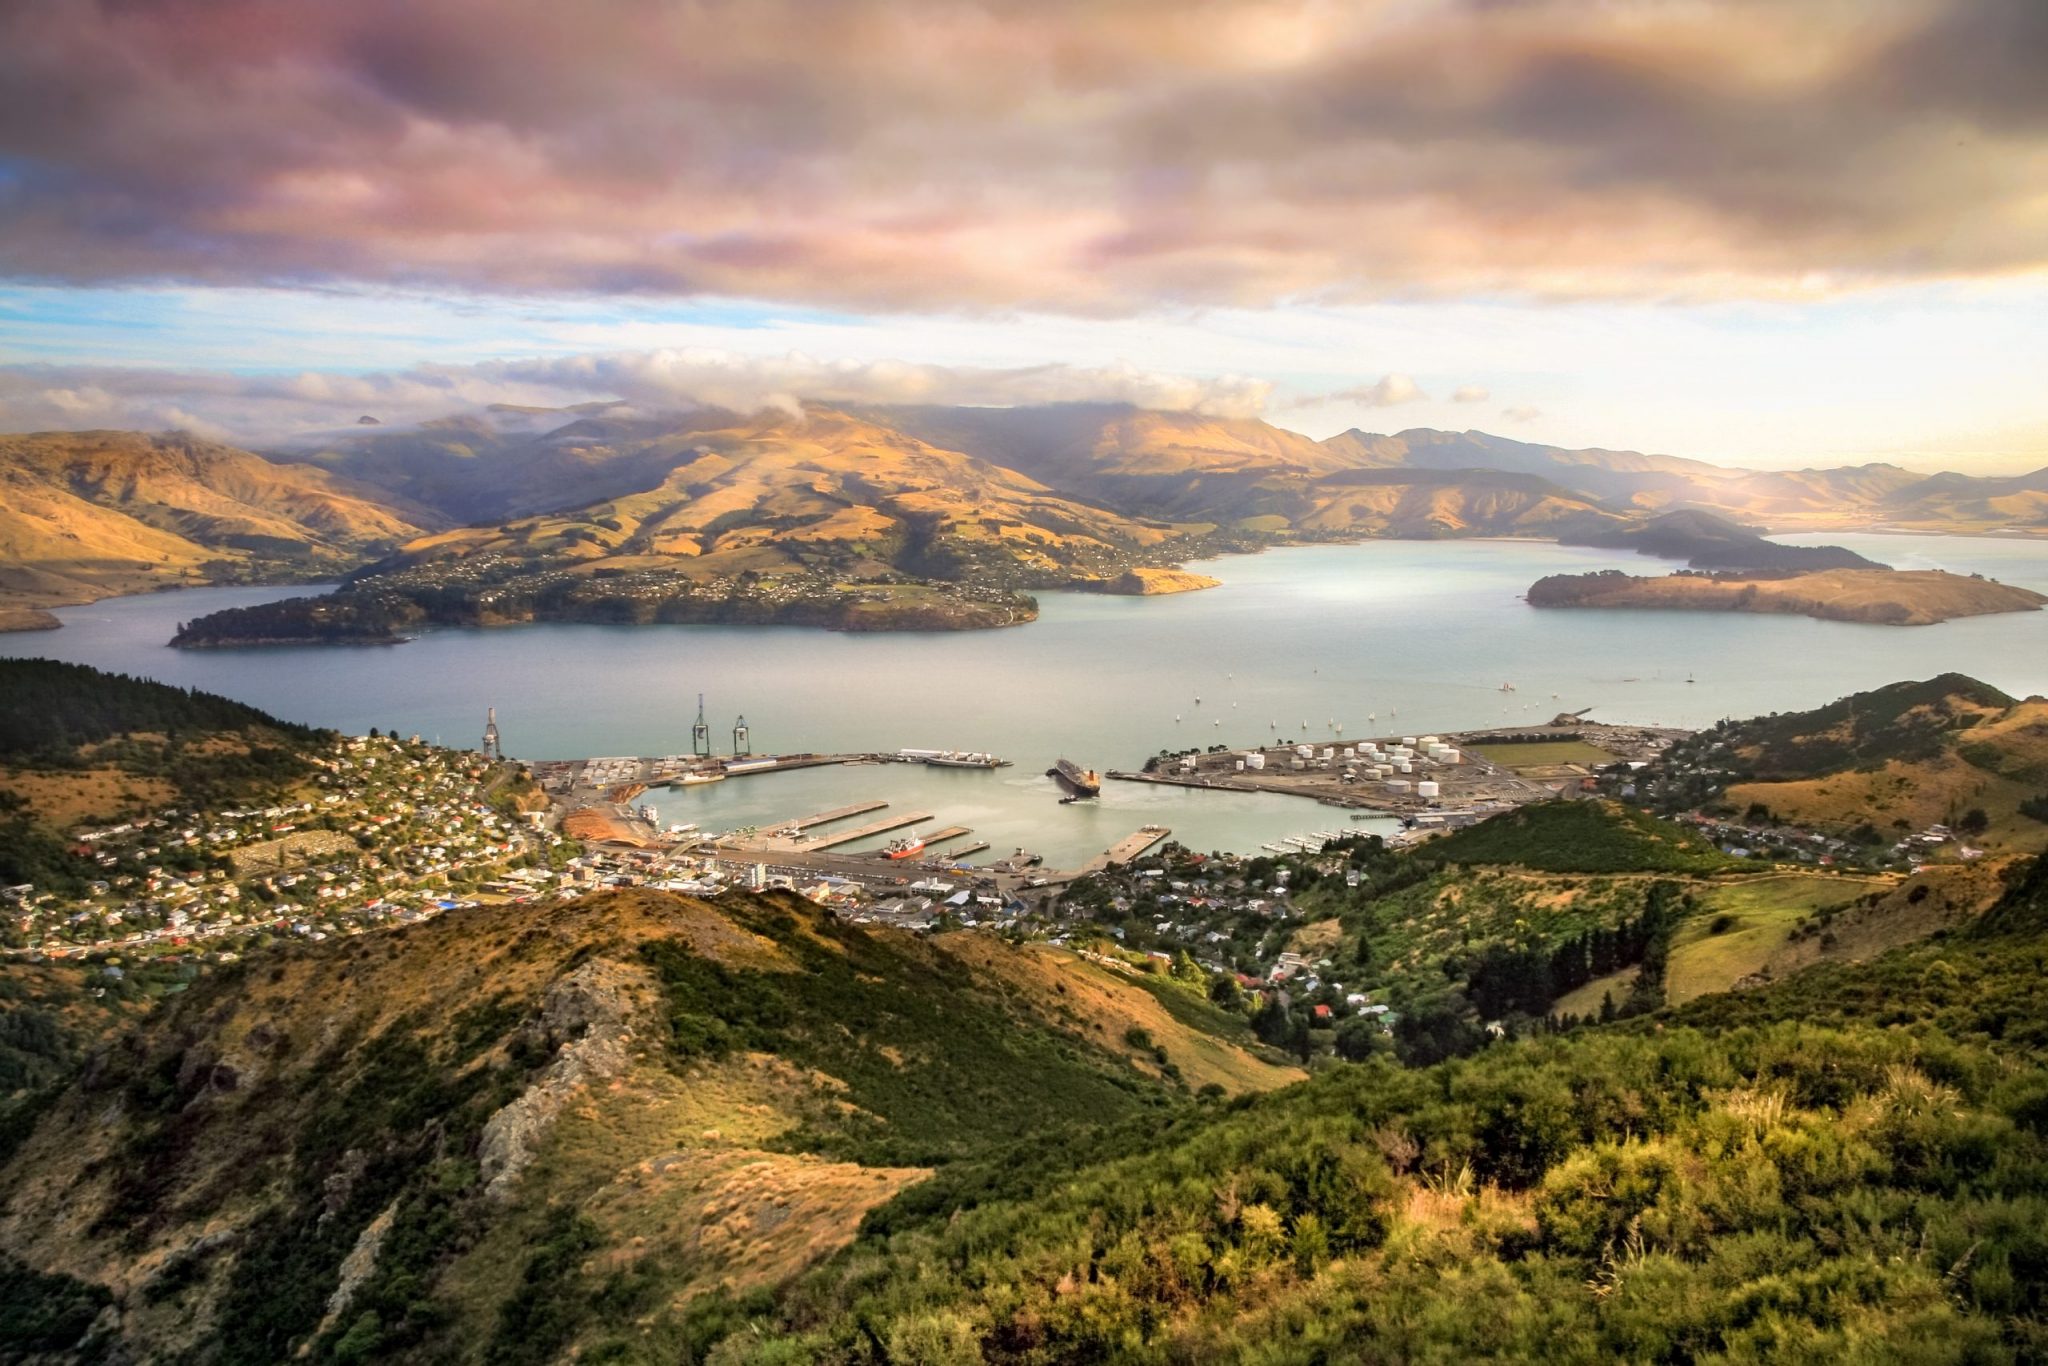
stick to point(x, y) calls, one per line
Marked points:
point(904, 848)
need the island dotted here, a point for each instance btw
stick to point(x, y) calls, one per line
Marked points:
point(389, 609)
point(1886, 597)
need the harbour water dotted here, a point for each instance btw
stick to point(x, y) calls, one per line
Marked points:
point(1380, 637)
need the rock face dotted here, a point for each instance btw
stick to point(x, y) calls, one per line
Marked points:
point(357, 1266)
point(1878, 596)
point(587, 1015)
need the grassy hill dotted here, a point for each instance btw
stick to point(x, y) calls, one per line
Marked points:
point(1847, 1167)
point(1891, 761)
point(1578, 837)
point(78, 746)
point(533, 1129)
point(87, 514)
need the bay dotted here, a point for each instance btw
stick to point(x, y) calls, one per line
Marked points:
point(1382, 637)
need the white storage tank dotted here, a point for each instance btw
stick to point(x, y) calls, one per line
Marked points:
point(1397, 784)
point(1350, 752)
point(1404, 767)
point(1329, 754)
point(1408, 740)
point(1451, 756)
point(1240, 765)
point(1429, 740)
point(1305, 751)
point(1300, 762)
point(1255, 761)
point(1427, 788)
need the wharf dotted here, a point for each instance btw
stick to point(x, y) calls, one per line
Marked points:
point(1123, 851)
point(1127, 848)
point(951, 832)
point(860, 832)
point(837, 813)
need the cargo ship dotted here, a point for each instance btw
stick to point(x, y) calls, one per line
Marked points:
point(905, 847)
point(1083, 782)
point(692, 779)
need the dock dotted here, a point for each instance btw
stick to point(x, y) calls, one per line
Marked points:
point(861, 832)
point(1123, 851)
point(837, 813)
point(951, 832)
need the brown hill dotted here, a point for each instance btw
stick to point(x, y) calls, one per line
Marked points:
point(438, 1142)
point(88, 514)
point(1247, 474)
point(775, 492)
point(1880, 596)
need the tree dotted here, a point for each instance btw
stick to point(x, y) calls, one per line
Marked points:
point(1358, 1038)
point(1974, 821)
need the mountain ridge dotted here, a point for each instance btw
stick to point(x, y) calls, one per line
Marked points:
point(843, 501)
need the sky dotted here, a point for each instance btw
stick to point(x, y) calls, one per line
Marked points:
point(1768, 232)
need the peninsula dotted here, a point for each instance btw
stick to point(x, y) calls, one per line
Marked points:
point(1881, 596)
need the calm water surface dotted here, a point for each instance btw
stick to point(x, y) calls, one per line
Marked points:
point(1419, 634)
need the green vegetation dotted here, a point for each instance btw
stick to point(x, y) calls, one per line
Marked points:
point(1579, 837)
point(68, 718)
point(54, 709)
point(1904, 721)
point(1848, 1167)
point(968, 1075)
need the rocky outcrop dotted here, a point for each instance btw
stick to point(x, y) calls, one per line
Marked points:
point(587, 1018)
point(357, 1266)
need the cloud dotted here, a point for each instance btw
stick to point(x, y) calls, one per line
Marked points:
point(1384, 392)
point(1026, 154)
point(1521, 414)
point(268, 407)
point(1470, 393)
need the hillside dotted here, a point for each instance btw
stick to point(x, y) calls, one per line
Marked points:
point(1577, 837)
point(1882, 764)
point(1883, 597)
point(818, 519)
point(87, 514)
point(1840, 498)
point(1245, 473)
point(489, 1136)
point(1675, 1189)
point(78, 745)
point(902, 517)
point(1706, 541)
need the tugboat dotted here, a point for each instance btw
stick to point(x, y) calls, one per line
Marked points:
point(905, 847)
point(1083, 782)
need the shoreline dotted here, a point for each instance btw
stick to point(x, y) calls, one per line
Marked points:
point(53, 612)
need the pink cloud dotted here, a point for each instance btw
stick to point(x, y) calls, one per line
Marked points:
point(1051, 153)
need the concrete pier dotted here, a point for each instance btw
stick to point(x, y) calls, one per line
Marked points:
point(880, 827)
point(837, 813)
point(1123, 851)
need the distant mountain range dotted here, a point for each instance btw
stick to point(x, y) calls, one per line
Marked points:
point(874, 499)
